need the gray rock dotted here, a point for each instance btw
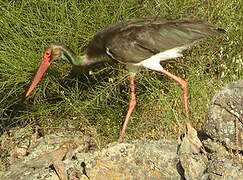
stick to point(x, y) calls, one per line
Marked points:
point(194, 165)
point(61, 156)
point(225, 114)
point(139, 159)
point(222, 164)
point(192, 160)
point(222, 168)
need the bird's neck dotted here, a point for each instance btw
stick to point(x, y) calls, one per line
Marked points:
point(76, 60)
point(80, 61)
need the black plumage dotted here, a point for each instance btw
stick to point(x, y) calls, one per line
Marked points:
point(136, 40)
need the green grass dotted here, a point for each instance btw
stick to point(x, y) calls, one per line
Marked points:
point(95, 100)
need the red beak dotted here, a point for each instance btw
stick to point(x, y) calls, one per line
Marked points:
point(41, 71)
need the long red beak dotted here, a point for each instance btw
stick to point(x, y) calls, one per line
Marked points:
point(41, 71)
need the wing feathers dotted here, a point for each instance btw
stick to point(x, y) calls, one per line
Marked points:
point(135, 40)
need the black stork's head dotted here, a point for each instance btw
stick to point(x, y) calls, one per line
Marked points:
point(55, 52)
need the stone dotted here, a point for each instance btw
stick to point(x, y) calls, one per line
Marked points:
point(225, 116)
point(222, 168)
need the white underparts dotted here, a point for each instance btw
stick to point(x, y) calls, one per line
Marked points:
point(153, 62)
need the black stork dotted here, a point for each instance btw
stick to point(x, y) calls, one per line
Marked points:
point(136, 43)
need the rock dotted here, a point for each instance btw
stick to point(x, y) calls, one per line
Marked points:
point(44, 158)
point(194, 165)
point(222, 164)
point(65, 156)
point(225, 114)
point(70, 156)
point(139, 159)
point(192, 161)
point(215, 149)
point(222, 168)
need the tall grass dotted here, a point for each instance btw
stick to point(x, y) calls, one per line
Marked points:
point(95, 100)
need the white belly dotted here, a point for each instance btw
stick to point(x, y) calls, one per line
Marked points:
point(153, 62)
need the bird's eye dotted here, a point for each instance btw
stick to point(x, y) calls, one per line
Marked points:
point(47, 53)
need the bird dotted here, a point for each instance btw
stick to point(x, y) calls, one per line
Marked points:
point(136, 43)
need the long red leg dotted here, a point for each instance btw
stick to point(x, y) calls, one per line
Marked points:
point(184, 87)
point(191, 133)
point(132, 105)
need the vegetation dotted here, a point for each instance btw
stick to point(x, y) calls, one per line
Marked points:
point(95, 100)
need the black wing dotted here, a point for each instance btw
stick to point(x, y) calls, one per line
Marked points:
point(136, 40)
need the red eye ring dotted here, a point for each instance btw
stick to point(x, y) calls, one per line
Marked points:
point(47, 53)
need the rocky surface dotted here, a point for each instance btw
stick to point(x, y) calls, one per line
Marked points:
point(66, 157)
point(70, 155)
point(225, 116)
